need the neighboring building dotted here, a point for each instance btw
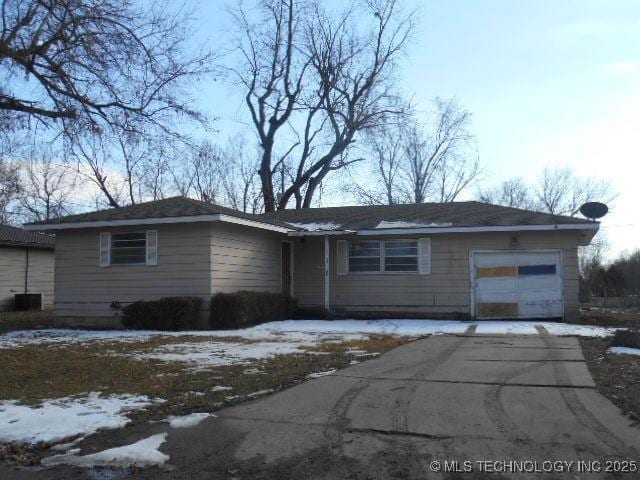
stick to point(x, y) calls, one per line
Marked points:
point(26, 265)
point(462, 259)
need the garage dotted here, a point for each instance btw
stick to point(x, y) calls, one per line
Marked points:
point(517, 284)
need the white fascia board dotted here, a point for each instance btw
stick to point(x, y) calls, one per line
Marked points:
point(159, 221)
point(495, 228)
point(253, 223)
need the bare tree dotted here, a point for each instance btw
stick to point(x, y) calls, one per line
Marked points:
point(416, 162)
point(83, 65)
point(561, 192)
point(241, 183)
point(10, 187)
point(49, 187)
point(313, 82)
point(386, 149)
point(513, 192)
point(94, 162)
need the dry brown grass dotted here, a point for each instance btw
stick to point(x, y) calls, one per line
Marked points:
point(25, 320)
point(617, 376)
point(33, 373)
point(373, 344)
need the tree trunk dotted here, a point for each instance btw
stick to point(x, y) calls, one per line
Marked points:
point(266, 179)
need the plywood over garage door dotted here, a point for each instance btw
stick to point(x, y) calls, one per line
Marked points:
point(517, 284)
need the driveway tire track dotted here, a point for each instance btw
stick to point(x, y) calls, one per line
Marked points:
point(496, 411)
point(578, 409)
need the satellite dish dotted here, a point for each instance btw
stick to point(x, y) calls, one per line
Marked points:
point(594, 210)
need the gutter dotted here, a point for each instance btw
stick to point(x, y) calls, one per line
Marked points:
point(428, 230)
point(218, 217)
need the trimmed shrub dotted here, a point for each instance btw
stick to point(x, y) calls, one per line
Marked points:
point(168, 313)
point(246, 308)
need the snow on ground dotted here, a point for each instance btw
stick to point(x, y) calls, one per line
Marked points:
point(220, 353)
point(321, 374)
point(283, 337)
point(186, 421)
point(220, 388)
point(625, 350)
point(143, 453)
point(54, 420)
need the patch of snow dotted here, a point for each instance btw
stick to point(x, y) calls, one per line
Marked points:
point(317, 226)
point(384, 224)
point(57, 419)
point(63, 447)
point(500, 327)
point(187, 421)
point(283, 337)
point(220, 388)
point(219, 353)
point(321, 374)
point(260, 392)
point(143, 453)
point(624, 350)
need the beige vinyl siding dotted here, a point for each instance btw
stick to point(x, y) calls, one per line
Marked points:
point(13, 268)
point(244, 258)
point(85, 291)
point(445, 291)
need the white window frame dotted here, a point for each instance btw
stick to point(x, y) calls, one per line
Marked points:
point(381, 266)
point(149, 260)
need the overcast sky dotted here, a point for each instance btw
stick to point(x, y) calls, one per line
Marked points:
point(549, 83)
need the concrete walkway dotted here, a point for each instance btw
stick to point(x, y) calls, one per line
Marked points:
point(446, 398)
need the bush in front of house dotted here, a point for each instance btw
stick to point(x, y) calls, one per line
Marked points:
point(246, 308)
point(168, 313)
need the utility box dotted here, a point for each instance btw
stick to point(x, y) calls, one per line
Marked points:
point(28, 301)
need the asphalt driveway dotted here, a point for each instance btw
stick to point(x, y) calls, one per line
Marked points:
point(403, 415)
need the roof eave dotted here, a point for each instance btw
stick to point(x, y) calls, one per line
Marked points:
point(484, 228)
point(218, 217)
point(45, 246)
point(469, 229)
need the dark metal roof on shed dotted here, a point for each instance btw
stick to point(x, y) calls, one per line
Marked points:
point(14, 236)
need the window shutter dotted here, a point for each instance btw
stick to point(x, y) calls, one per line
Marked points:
point(343, 257)
point(152, 247)
point(424, 256)
point(105, 249)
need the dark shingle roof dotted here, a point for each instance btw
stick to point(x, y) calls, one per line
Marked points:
point(19, 237)
point(165, 208)
point(453, 214)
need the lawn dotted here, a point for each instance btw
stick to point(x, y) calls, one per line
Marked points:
point(62, 389)
point(80, 382)
point(614, 363)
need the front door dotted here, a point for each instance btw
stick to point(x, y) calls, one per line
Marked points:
point(286, 268)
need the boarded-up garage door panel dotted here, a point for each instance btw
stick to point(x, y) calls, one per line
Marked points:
point(523, 284)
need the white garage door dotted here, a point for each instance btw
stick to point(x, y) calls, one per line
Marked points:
point(522, 284)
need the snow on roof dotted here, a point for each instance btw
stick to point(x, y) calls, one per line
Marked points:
point(317, 226)
point(385, 224)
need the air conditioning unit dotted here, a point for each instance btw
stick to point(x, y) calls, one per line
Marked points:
point(28, 301)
